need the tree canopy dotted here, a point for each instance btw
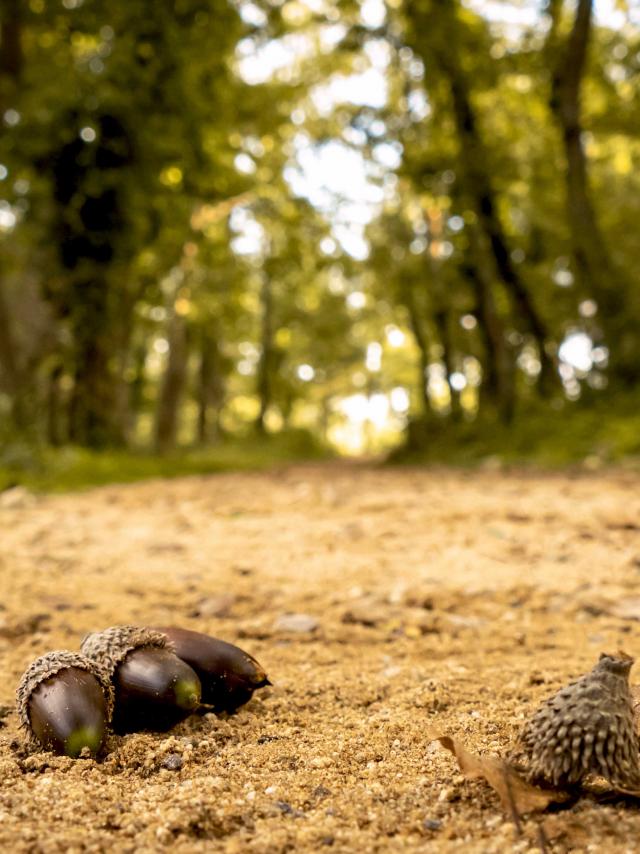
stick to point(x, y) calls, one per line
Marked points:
point(368, 220)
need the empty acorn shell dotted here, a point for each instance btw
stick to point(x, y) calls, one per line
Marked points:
point(154, 688)
point(228, 674)
point(65, 703)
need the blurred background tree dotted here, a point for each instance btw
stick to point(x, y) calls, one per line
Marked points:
point(390, 224)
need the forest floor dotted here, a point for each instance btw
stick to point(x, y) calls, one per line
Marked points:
point(422, 599)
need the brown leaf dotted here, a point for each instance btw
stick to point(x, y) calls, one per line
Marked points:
point(514, 792)
point(623, 526)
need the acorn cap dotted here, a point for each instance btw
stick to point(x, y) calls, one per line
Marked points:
point(111, 646)
point(47, 666)
point(586, 728)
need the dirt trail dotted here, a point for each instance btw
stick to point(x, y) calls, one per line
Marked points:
point(442, 600)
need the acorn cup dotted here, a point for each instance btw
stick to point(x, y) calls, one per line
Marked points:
point(585, 728)
point(154, 689)
point(228, 674)
point(65, 703)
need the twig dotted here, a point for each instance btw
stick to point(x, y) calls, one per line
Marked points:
point(543, 840)
point(512, 806)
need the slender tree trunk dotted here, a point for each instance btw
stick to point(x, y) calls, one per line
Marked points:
point(11, 372)
point(498, 381)
point(418, 430)
point(441, 301)
point(324, 418)
point(54, 429)
point(593, 266)
point(481, 191)
point(136, 388)
point(173, 384)
point(267, 355)
point(590, 253)
point(204, 377)
point(443, 44)
point(125, 323)
point(210, 388)
point(415, 322)
point(441, 322)
point(11, 57)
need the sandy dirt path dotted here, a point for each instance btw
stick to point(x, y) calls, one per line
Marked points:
point(430, 599)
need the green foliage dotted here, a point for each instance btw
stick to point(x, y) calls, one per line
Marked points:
point(590, 436)
point(179, 265)
point(73, 468)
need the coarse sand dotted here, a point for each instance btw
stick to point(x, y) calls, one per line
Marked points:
point(386, 605)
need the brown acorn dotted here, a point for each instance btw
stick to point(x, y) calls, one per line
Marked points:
point(228, 674)
point(154, 689)
point(65, 702)
point(585, 728)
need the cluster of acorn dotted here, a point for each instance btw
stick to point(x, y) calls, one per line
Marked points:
point(128, 678)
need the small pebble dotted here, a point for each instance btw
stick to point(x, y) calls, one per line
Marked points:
point(321, 792)
point(448, 794)
point(299, 623)
point(173, 762)
point(215, 606)
point(287, 809)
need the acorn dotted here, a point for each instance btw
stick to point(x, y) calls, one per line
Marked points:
point(586, 728)
point(65, 703)
point(228, 674)
point(154, 689)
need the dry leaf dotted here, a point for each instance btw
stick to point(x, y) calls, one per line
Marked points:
point(623, 526)
point(514, 792)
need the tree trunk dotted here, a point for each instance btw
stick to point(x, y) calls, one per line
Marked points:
point(125, 359)
point(441, 322)
point(10, 38)
point(88, 187)
point(136, 388)
point(595, 272)
point(11, 373)
point(172, 385)
point(93, 410)
point(210, 388)
point(590, 254)
point(267, 355)
point(11, 59)
point(415, 322)
point(444, 45)
point(54, 429)
point(498, 381)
